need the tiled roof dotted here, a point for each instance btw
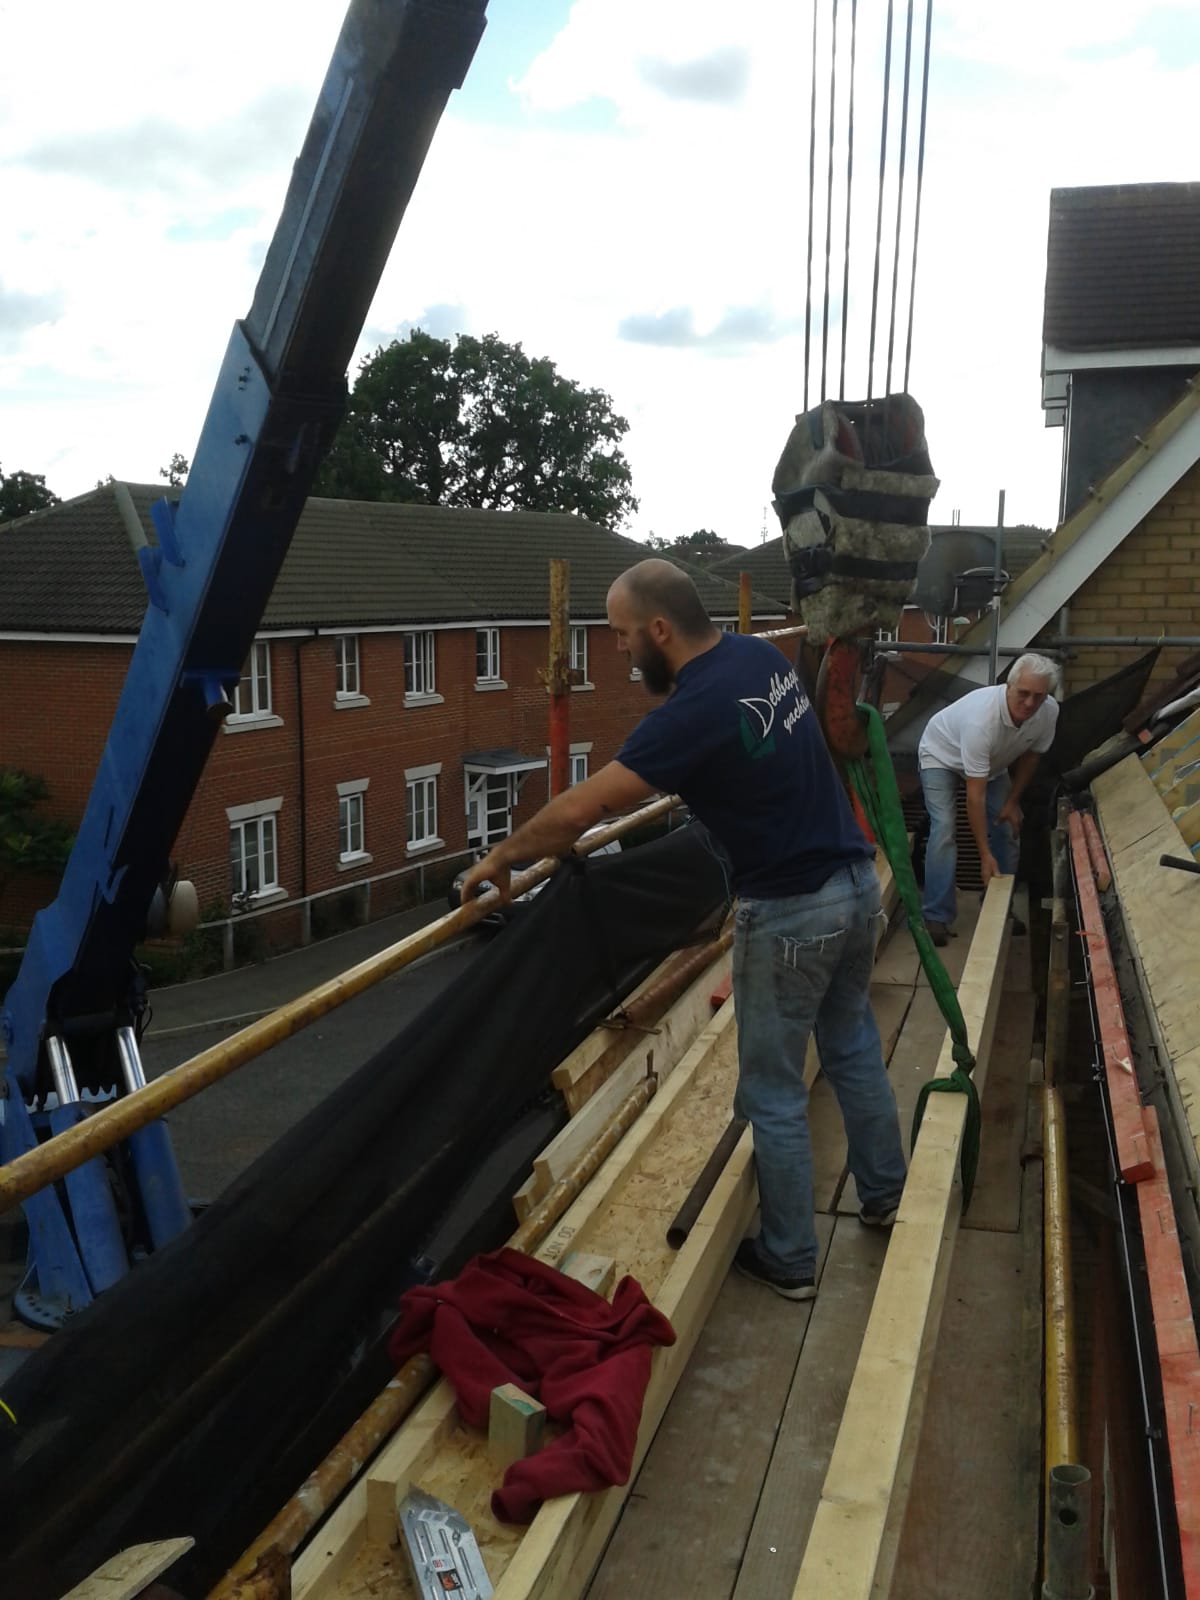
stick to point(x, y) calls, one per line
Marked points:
point(1123, 267)
point(71, 569)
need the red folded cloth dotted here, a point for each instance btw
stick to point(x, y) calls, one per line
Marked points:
point(507, 1318)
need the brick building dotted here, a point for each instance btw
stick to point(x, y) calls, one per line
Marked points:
point(390, 716)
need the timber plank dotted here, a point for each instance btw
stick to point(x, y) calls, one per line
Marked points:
point(971, 1509)
point(996, 1202)
point(809, 1425)
point(851, 1549)
point(713, 1449)
point(125, 1575)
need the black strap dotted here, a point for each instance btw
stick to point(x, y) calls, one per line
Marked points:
point(867, 505)
point(816, 565)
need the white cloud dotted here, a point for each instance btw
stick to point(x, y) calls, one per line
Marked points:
point(651, 179)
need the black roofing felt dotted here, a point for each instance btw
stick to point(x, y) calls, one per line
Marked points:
point(71, 569)
point(1123, 267)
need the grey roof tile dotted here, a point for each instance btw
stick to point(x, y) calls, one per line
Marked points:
point(1123, 267)
point(351, 564)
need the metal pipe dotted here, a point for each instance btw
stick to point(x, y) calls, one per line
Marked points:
point(1061, 1441)
point(1053, 644)
point(994, 642)
point(130, 1058)
point(1068, 1535)
point(116, 1121)
point(62, 1074)
point(691, 1208)
point(256, 1574)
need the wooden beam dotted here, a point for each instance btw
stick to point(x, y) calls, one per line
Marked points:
point(132, 1571)
point(852, 1548)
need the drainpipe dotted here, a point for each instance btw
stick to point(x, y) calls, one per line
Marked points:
point(305, 905)
point(557, 676)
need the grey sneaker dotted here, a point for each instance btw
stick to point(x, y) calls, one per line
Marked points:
point(751, 1264)
point(938, 931)
point(883, 1218)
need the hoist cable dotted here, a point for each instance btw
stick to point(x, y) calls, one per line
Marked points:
point(849, 194)
point(812, 175)
point(900, 194)
point(829, 206)
point(887, 76)
point(912, 290)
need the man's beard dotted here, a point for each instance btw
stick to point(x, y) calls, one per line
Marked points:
point(656, 673)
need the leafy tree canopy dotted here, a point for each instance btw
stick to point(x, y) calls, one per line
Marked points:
point(176, 470)
point(479, 424)
point(29, 842)
point(23, 492)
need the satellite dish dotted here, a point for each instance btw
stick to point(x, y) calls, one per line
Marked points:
point(955, 573)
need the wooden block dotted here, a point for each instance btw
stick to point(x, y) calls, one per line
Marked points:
point(516, 1425)
point(597, 1273)
point(130, 1572)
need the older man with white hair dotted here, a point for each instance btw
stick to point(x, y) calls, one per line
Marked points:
point(991, 741)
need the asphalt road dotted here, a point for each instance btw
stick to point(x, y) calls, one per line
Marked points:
point(220, 1132)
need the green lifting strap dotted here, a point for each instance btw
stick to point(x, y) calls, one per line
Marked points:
point(874, 782)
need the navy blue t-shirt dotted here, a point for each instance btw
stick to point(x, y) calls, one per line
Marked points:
point(738, 739)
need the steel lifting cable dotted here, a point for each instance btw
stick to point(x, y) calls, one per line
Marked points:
point(887, 77)
point(829, 207)
point(912, 288)
point(849, 193)
point(900, 194)
point(812, 179)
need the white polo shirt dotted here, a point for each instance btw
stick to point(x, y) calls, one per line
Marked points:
point(977, 738)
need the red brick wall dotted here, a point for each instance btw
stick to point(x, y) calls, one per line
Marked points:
point(57, 702)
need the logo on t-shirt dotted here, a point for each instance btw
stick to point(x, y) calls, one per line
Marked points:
point(758, 714)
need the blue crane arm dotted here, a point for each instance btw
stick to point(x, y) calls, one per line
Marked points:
point(280, 394)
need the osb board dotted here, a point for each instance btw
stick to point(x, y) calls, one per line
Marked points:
point(972, 1519)
point(685, 1119)
point(1161, 910)
point(685, 1525)
point(792, 1487)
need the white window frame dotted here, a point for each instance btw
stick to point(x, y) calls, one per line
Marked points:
point(886, 635)
point(420, 668)
point(351, 801)
point(490, 678)
point(577, 658)
point(941, 630)
point(577, 767)
point(421, 803)
point(258, 821)
point(255, 672)
point(347, 677)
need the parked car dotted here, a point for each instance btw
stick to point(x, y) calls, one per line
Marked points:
point(502, 915)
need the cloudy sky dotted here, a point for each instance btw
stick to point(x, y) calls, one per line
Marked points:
point(622, 185)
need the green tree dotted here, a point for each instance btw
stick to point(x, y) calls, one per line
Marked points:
point(480, 424)
point(702, 548)
point(29, 842)
point(176, 470)
point(23, 492)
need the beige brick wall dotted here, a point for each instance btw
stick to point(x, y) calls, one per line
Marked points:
point(1149, 585)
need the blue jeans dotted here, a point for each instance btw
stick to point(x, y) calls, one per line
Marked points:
point(803, 964)
point(940, 787)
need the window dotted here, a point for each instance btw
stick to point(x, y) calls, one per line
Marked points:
point(487, 655)
point(578, 661)
point(577, 769)
point(252, 697)
point(419, 677)
point(346, 655)
point(941, 630)
point(350, 826)
point(252, 856)
point(885, 635)
point(421, 811)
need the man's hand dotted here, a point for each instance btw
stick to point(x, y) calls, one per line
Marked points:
point(988, 867)
point(1011, 813)
point(491, 871)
